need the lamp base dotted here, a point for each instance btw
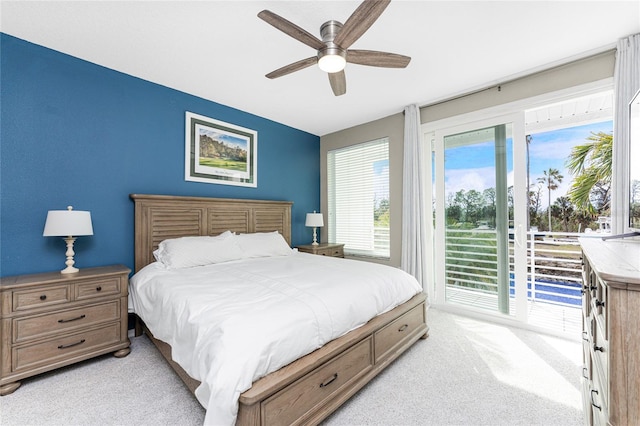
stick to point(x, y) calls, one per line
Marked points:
point(70, 269)
point(315, 237)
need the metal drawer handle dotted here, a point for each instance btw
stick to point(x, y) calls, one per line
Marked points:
point(328, 382)
point(584, 371)
point(62, 321)
point(99, 288)
point(72, 344)
point(43, 297)
point(585, 336)
point(598, 348)
point(403, 328)
point(599, 303)
point(593, 403)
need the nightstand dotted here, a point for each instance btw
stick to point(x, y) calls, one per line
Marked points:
point(323, 249)
point(51, 320)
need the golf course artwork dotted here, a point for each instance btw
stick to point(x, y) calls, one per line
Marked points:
point(219, 152)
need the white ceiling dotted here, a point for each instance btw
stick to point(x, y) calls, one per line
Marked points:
point(220, 50)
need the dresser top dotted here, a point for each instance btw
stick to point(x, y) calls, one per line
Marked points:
point(614, 260)
point(53, 277)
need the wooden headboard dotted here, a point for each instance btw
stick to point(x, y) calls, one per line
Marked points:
point(158, 217)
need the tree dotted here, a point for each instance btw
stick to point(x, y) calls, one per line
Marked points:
point(474, 202)
point(590, 163)
point(564, 210)
point(551, 179)
point(381, 212)
point(534, 203)
point(489, 209)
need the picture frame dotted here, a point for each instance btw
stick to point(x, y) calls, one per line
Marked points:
point(220, 152)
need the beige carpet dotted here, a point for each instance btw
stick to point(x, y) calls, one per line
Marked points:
point(467, 372)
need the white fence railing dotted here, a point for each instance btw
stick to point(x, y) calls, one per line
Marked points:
point(553, 263)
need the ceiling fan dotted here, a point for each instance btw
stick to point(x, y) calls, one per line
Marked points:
point(333, 50)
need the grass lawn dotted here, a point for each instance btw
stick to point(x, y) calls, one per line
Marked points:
point(224, 163)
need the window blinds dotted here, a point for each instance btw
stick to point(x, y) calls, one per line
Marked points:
point(358, 198)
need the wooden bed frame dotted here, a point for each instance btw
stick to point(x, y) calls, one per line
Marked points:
point(312, 387)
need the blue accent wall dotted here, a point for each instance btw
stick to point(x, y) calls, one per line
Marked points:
point(75, 133)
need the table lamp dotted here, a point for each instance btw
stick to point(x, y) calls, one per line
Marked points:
point(314, 220)
point(69, 224)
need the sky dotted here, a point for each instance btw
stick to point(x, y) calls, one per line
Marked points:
point(551, 149)
point(228, 138)
point(471, 167)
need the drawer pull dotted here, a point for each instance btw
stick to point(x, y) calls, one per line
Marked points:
point(599, 303)
point(585, 336)
point(584, 372)
point(71, 345)
point(62, 321)
point(598, 348)
point(328, 382)
point(593, 403)
point(403, 328)
point(99, 288)
point(43, 297)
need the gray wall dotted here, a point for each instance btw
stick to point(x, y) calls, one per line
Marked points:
point(591, 69)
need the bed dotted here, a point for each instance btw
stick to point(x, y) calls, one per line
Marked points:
point(304, 390)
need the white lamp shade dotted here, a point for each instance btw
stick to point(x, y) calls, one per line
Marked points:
point(67, 223)
point(314, 220)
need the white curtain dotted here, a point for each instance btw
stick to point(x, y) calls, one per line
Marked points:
point(626, 83)
point(413, 258)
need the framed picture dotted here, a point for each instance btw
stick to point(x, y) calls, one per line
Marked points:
point(219, 152)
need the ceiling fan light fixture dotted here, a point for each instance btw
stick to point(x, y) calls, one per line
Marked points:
point(332, 63)
point(333, 48)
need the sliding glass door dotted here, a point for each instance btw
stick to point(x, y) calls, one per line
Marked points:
point(481, 216)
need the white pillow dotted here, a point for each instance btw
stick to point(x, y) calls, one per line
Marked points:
point(187, 252)
point(263, 244)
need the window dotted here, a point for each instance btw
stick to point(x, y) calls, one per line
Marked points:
point(358, 198)
point(518, 256)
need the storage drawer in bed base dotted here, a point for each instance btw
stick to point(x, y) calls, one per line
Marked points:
point(357, 352)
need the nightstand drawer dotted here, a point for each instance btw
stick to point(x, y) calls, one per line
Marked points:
point(323, 249)
point(331, 251)
point(44, 325)
point(58, 349)
point(97, 288)
point(38, 298)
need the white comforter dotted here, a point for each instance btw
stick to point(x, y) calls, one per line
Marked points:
point(231, 323)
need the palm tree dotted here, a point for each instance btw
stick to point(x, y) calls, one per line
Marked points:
point(590, 163)
point(551, 179)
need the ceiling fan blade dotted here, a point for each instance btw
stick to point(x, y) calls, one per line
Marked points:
point(360, 21)
point(338, 83)
point(296, 66)
point(374, 58)
point(291, 29)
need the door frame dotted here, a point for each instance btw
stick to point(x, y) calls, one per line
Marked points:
point(437, 136)
point(517, 106)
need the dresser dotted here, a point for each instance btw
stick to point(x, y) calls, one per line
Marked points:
point(323, 249)
point(51, 320)
point(611, 331)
